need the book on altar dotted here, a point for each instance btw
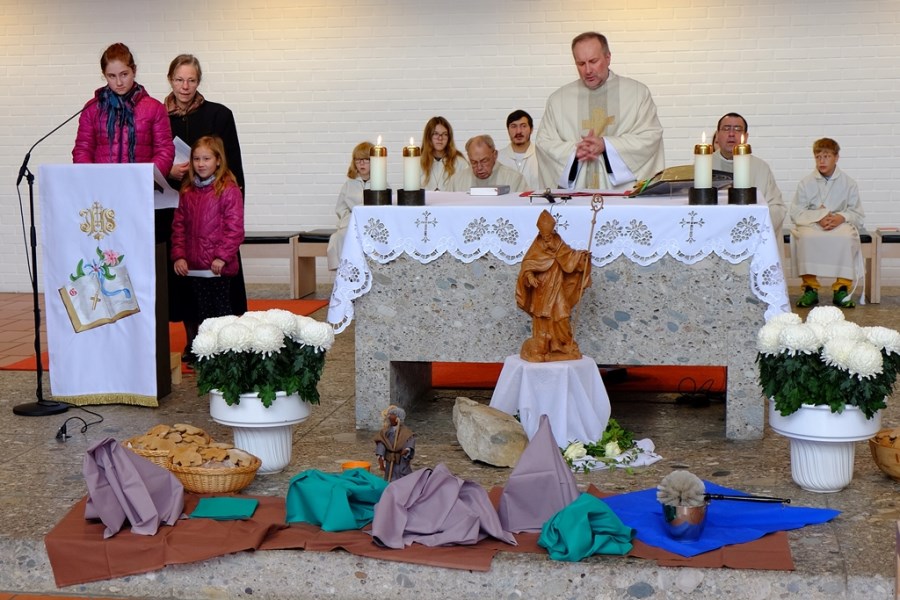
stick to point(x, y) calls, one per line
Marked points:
point(97, 299)
point(677, 180)
point(499, 190)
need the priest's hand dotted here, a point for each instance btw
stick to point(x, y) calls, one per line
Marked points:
point(590, 147)
point(181, 267)
point(830, 221)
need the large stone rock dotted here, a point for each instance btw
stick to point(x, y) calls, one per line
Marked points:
point(487, 434)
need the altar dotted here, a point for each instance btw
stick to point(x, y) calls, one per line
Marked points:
point(673, 284)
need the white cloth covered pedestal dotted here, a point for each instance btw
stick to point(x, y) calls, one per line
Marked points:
point(570, 392)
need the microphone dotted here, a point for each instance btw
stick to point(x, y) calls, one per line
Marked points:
point(24, 168)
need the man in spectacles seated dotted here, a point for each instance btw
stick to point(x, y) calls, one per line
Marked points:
point(732, 130)
point(485, 171)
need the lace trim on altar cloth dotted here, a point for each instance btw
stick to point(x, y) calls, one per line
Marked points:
point(642, 234)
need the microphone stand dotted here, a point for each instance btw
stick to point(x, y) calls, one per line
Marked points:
point(42, 407)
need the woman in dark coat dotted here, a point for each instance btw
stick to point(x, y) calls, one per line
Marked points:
point(191, 117)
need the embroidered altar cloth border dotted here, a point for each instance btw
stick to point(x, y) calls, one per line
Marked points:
point(642, 230)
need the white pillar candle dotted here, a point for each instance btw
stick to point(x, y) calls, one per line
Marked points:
point(703, 165)
point(378, 167)
point(412, 168)
point(741, 160)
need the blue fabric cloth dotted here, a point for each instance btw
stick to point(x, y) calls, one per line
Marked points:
point(727, 521)
point(333, 502)
point(585, 527)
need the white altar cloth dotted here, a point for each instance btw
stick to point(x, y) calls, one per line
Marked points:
point(643, 230)
point(570, 392)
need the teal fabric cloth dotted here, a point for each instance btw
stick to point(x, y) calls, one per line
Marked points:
point(584, 528)
point(334, 502)
point(225, 508)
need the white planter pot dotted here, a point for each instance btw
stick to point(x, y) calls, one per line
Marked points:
point(823, 443)
point(264, 432)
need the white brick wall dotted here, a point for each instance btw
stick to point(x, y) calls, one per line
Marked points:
point(307, 80)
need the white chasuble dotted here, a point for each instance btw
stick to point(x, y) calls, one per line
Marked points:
point(100, 282)
point(622, 112)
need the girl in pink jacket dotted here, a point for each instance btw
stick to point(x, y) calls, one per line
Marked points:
point(207, 232)
point(122, 123)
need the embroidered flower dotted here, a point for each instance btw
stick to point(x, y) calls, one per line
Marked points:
point(110, 258)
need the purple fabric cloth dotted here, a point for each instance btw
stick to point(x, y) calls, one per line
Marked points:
point(540, 485)
point(124, 486)
point(435, 508)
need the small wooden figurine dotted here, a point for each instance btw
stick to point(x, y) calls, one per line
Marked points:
point(395, 444)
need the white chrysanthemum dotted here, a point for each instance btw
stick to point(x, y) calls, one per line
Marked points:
point(820, 331)
point(837, 352)
point(884, 338)
point(250, 321)
point(846, 330)
point(317, 334)
point(267, 339)
point(259, 315)
point(214, 324)
point(767, 338)
point(825, 315)
point(300, 322)
point(785, 318)
point(574, 451)
point(865, 361)
point(235, 336)
point(205, 344)
point(798, 338)
point(283, 320)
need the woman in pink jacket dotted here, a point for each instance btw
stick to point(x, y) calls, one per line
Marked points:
point(122, 123)
point(207, 232)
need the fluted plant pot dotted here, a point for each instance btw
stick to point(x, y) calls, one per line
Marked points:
point(267, 433)
point(823, 443)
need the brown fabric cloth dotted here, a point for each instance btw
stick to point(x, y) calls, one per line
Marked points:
point(79, 554)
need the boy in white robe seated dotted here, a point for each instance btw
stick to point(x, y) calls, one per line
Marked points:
point(827, 214)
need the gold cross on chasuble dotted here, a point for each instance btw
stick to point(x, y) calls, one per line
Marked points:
point(598, 121)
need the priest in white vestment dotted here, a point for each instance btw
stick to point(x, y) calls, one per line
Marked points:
point(602, 131)
point(521, 153)
point(827, 215)
point(732, 130)
point(485, 171)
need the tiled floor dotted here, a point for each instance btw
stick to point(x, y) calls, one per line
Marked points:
point(17, 327)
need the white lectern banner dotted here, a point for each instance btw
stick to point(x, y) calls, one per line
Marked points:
point(100, 282)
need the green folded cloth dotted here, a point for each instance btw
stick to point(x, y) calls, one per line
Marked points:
point(333, 502)
point(585, 527)
point(225, 508)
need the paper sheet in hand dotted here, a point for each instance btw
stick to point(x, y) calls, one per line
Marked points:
point(163, 194)
point(201, 273)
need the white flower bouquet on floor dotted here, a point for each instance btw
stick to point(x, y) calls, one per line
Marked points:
point(263, 352)
point(826, 361)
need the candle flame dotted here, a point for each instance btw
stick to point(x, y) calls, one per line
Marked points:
point(378, 142)
point(743, 139)
point(411, 142)
point(703, 138)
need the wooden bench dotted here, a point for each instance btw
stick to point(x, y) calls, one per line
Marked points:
point(887, 245)
point(869, 247)
point(300, 248)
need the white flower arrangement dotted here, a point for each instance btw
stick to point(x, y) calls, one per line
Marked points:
point(826, 361)
point(263, 352)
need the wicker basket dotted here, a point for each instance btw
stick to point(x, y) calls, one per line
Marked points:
point(203, 480)
point(158, 457)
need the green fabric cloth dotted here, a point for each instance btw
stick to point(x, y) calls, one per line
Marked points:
point(334, 502)
point(585, 527)
point(225, 508)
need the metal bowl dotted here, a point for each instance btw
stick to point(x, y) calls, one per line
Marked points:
point(684, 523)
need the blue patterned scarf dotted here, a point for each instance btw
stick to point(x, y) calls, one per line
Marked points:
point(119, 112)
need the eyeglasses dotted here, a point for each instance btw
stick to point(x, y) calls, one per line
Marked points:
point(734, 128)
point(361, 161)
point(181, 81)
point(440, 136)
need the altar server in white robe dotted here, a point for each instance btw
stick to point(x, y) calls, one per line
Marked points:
point(827, 215)
point(732, 129)
point(602, 131)
point(441, 161)
point(485, 170)
point(521, 154)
